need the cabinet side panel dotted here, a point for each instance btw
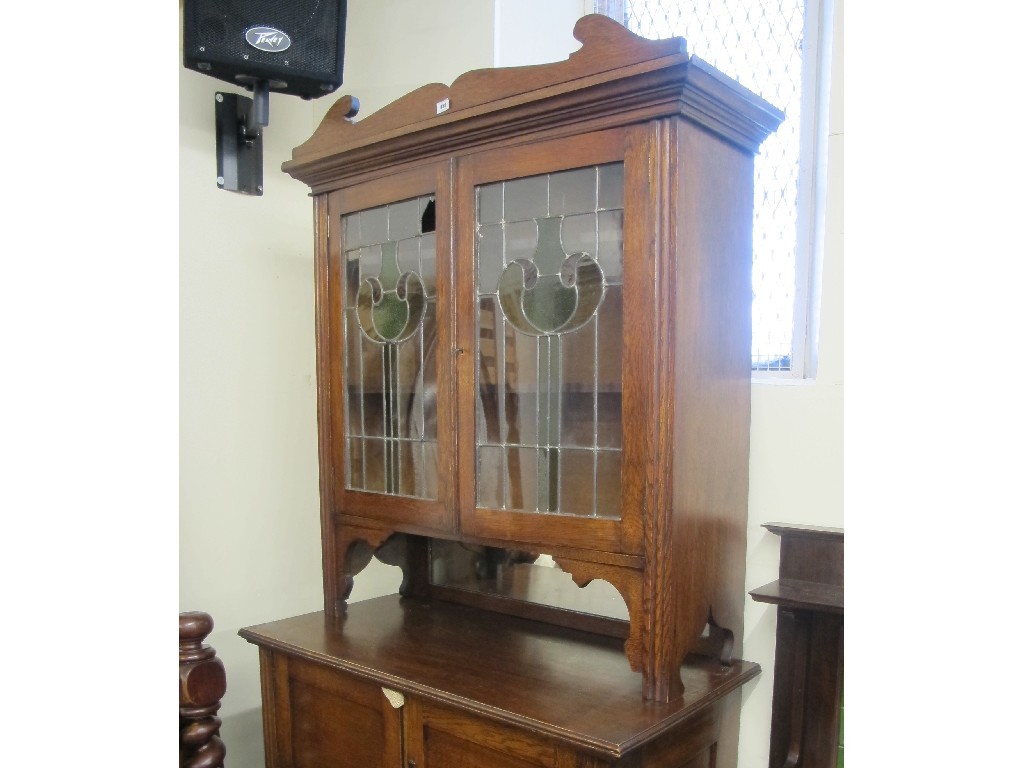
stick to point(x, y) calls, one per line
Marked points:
point(269, 693)
point(281, 748)
point(713, 296)
point(323, 243)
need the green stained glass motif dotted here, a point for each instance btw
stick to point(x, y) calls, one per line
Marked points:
point(549, 335)
point(389, 307)
point(553, 292)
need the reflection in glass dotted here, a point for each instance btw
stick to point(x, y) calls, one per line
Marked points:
point(389, 334)
point(525, 199)
point(609, 244)
point(490, 476)
point(573, 191)
point(521, 576)
point(578, 402)
point(549, 341)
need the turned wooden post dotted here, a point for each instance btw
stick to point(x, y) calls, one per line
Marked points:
point(202, 684)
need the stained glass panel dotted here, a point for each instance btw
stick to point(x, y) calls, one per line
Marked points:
point(390, 323)
point(549, 340)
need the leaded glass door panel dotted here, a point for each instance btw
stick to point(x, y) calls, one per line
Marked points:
point(390, 320)
point(542, 450)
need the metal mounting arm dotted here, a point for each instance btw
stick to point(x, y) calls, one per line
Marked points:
point(258, 116)
point(240, 122)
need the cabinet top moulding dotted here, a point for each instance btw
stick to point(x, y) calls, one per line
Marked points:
point(615, 78)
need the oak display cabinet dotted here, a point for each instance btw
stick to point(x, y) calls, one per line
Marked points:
point(533, 294)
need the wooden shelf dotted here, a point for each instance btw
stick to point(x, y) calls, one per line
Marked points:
point(805, 595)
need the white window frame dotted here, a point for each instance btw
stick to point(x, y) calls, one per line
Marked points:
point(811, 184)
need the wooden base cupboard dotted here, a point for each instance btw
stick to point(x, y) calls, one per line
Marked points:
point(403, 681)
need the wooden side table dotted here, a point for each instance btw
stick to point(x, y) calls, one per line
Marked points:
point(807, 697)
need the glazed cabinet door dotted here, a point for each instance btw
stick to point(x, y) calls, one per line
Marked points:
point(554, 316)
point(384, 341)
point(317, 717)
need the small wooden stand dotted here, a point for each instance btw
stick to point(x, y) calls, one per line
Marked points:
point(808, 647)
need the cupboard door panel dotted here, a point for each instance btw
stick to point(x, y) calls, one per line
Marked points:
point(331, 730)
point(444, 750)
point(438, 737)
point(326, 719)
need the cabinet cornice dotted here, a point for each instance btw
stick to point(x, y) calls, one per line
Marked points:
point(641, 80)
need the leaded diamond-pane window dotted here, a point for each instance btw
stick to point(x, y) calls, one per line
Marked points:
point(771, 47)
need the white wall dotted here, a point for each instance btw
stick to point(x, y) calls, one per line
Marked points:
point(796, 443)
point(249, 547)
point(519, 40)
point(248, 526)
point(249, 531)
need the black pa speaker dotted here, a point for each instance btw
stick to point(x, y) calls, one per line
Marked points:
point(296, 46)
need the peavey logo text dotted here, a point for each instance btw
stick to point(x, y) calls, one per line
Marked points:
point(267, 39)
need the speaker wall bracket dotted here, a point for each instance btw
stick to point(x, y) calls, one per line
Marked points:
point(239, 123)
